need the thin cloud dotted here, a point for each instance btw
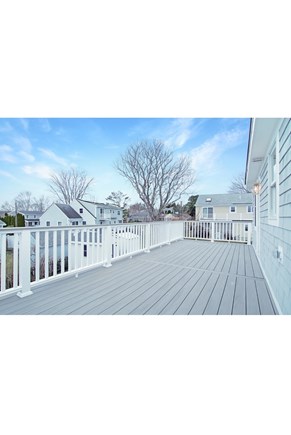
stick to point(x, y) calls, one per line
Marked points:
point(5, 127)
point(7, 174)
point(45, 125)
point(205, 157)
point(6, 154)
point(52, 156)
point(26, 156)
point(179, 132)
point(23, 142)
point(24, 123)
point(39, 170)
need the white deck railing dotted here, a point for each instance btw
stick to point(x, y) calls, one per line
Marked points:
point(227, 231)
point(31, 256)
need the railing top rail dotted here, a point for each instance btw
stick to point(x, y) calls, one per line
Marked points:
point(38, 228)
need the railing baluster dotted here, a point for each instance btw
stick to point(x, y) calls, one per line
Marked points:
point(3, 262)
point(37, 255)
point(55, 253)
point(46, 254)
point(15, 260)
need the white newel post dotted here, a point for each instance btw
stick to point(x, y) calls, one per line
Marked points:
point(212, 231)
point(147, 237)
point(107, 241)
point(24, 265)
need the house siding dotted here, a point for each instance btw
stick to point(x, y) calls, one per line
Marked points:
point(277, 233)
point(223, 213)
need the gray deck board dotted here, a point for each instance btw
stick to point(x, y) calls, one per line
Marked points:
point(226, 303)
point(239, 301)
point(186, 277)
point(216, 296)
point(252, 297)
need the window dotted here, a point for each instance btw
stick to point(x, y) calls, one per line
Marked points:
point(85, 250)
point(27, 216)
point(207, 213)
point(208, 200)
point(81, 210)
point(59, 224)
point(250, 209)
point(48, 224)
point(101, 210)
point(30, 224)
point(84, 222)
point(34, 216)
point(246, 227)
point(232, 209)
point(118, 212)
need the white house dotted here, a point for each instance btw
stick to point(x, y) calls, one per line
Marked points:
point(230, 206)
point(31, 218)
point(59, 215)
point(95, 213)
point(268, 173)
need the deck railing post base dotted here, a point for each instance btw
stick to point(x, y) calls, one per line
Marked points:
point(24, 294)
point(107, 265)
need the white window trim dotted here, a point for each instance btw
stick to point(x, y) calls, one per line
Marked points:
point(234, 209)
point(207, 208)
point(252, 208)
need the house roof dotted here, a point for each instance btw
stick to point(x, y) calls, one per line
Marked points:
point(224, 199)
point(68, 211)
point(36, 213)
point(100, 204)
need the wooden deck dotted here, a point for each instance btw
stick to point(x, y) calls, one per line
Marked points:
point(186, 277)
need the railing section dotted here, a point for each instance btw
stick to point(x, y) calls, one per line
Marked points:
point(34, 255)
point(219, 231)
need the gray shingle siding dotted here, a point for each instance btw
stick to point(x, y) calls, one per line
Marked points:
point(278, 235)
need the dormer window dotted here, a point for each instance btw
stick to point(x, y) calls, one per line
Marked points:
point(81, 210)
point(208, 200)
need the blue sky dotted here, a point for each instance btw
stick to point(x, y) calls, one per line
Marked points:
point(31, 149)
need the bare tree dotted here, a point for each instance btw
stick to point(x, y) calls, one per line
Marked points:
point(156, 175)
point(24, 200)
point(7, 206)
point(238, 185)
point(41, 203)
point(118, 199)
point(69, 185)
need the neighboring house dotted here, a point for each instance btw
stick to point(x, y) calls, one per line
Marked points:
point(268, 173)
point(232, 207)
point(60, 215)
point(2, 224)
point(96, 213)
point(31, 218)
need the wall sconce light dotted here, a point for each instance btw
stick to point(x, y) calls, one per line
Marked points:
point(256, 188)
